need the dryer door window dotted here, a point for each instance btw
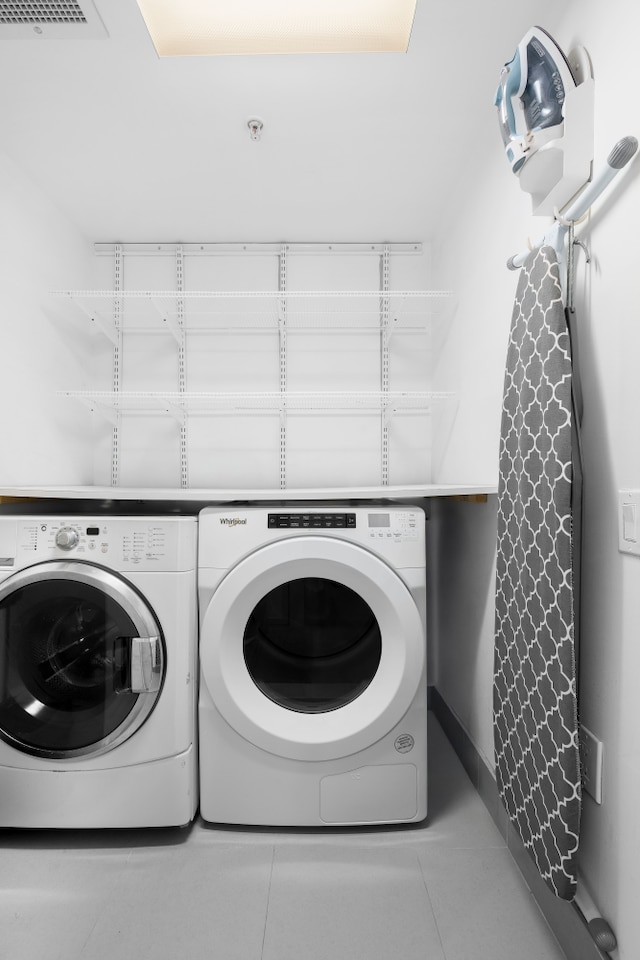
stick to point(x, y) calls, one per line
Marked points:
point(312, 645)
point(81, 660)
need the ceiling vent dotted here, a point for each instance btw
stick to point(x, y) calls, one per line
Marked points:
point(49, 19)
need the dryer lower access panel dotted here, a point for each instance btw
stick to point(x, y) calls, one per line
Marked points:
point(377, 794)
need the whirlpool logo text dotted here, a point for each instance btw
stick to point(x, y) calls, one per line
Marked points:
point(233, 521)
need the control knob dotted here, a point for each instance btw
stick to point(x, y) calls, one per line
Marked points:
point(67, 538)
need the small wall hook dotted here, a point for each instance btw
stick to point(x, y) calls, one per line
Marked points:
point(255, 127)
point(581, 243)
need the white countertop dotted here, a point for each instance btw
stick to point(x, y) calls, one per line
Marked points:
point(216, 495)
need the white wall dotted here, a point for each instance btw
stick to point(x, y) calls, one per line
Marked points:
point(474, 249)
point(41, 435)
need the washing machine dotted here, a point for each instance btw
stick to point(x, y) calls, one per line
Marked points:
point(313, 696)
point(98, 670)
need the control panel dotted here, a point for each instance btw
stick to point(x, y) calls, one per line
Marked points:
point(311, 521)
point(399, 525)
point(122, 543)
point(393, 532)
point(376, 524)
point(77, 537)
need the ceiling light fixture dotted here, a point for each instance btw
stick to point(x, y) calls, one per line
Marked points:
point(221, 27)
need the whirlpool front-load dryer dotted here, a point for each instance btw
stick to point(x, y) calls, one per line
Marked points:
point(98, 661)
point(313, 697)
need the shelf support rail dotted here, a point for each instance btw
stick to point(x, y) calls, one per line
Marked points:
point(182, 367)
point(384, 362)
point(117, 356)
point(282, 336)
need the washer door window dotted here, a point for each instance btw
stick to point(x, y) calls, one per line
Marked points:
point(311, 648)
point(81, 660)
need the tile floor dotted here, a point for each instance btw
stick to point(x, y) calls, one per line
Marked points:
point(446, 890)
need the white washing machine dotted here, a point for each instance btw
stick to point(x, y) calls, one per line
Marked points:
point(98, 668)
point(313, 696)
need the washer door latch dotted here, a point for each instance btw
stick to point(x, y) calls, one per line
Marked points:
point(146, 664)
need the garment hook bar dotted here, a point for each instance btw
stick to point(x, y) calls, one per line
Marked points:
point(619, 157)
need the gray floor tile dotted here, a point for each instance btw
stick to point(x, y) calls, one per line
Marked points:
point(483, 907)
point(457, 817)
point(50, 899)
point(329, 902)
point(202, 902)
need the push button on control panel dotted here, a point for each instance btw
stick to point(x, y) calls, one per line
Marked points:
point(311, 521)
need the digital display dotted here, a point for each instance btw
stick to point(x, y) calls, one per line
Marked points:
point(93, 531)
point(379, 520)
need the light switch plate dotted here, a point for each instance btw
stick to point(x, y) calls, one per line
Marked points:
point(591, 757)
point(629, 521)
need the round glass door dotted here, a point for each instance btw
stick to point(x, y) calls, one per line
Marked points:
point(312, 645)
point(81, 660)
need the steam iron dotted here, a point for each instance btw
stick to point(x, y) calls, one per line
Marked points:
point(531, 95)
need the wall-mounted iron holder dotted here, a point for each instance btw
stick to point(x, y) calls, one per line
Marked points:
point(558, 170)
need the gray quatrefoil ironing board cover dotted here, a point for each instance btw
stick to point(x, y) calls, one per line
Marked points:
point(534, 693)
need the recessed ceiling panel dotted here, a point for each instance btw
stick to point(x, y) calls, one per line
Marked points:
point(214, 27)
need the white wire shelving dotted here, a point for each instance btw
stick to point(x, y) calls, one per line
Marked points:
point(183, 316)
point(179, 405)
point(235, 311)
